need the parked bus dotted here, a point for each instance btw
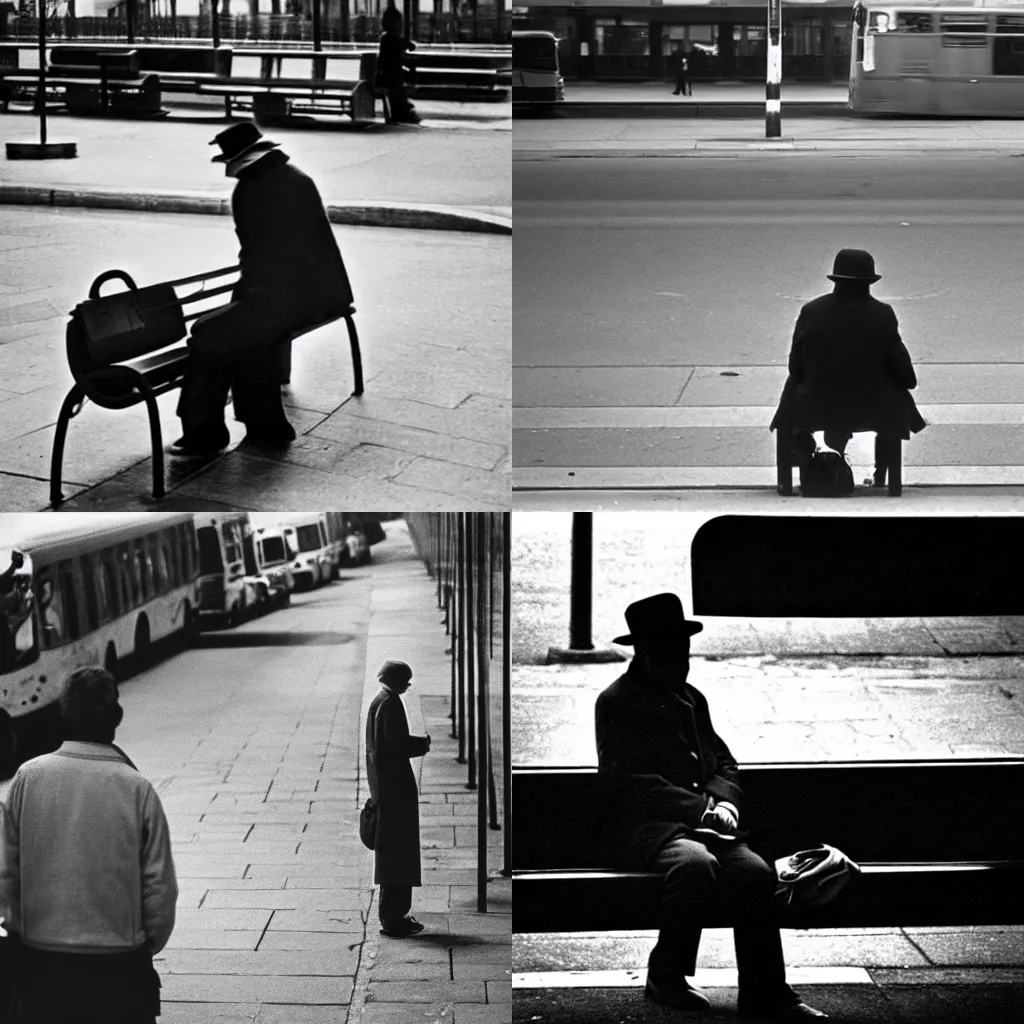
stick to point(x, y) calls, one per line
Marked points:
point(223, 594)
point(938, 58)
point(274, 556)
point(536, 78)
point(87, 589)
point(314, 564)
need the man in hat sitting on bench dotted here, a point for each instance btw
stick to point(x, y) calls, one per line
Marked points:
point(849, 370)
point(292, 277)
point(678, 812)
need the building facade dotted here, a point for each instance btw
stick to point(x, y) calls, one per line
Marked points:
point(723, 39)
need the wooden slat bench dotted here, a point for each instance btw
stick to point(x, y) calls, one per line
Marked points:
point(939, 843)
point(299, 82)
point(112, 382)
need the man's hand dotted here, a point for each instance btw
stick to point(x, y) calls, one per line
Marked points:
point(722, 817)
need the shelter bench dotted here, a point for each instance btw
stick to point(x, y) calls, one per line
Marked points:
point(117, 369)
point(940, 842)
point(888, 451)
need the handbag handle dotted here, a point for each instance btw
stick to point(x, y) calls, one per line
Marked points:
point(110, 275)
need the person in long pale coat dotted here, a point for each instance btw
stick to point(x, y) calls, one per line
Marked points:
point(389, 748)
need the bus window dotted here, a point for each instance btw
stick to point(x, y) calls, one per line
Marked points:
point(143, 570)
point(308, 538)
point(1008, 58)
point(87, 575)
point(129, 582)
point(160, 573)
point(109, 608)
point(69, 602)
point(232, 548)
point(17, 625)
point(210, 561)
point(914, 21)
point(964, 30)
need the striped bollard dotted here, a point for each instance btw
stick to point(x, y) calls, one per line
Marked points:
point(773, 94)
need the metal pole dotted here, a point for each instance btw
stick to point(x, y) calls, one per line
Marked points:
point(460, 595)
point(773, 94)
point(316, 26)
point(215, 22)
point(506, 704)
point(472, 641)
point(581, 585)
point(41, 96)
point(483, 726)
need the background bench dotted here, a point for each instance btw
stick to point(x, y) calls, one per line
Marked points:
point(88, 82)
point(103, 375)
point(940, 843)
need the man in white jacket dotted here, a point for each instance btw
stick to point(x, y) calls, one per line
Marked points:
point(86, 877)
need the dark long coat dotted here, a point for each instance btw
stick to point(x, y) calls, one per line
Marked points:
point(288, 254)
point(849, 370)
point(661, 759)
point(393, 785)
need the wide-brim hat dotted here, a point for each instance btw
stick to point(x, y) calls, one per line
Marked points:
point(241, 140)
point(854, 265)
point(656, 622)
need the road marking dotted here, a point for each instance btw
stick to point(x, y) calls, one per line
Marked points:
point(527, 478)
point(670, 417)
point(708, 977)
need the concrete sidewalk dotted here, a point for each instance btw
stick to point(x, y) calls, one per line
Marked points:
point(605, 135)
point(277, 917)
point(401, 177)
point(709, 99)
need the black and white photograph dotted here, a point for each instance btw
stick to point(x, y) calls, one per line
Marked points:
point(254, 769)
point(750, 234)
point(255, 254)
point(805, 731)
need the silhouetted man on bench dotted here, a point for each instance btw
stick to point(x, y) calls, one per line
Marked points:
point(678, 811)
point(292, 277)
point(849, 370)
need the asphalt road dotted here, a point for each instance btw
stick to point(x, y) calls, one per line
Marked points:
point(673, 284)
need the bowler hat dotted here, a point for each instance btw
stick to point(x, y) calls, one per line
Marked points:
point(240, 139)
point(657, 621)
point(854, 265)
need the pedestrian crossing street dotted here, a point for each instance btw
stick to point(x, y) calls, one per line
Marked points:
point(582, 436)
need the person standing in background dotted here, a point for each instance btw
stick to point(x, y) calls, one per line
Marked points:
point(392, 781)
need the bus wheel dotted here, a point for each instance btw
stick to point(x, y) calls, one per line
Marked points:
point(110, 662)
point(142, 643)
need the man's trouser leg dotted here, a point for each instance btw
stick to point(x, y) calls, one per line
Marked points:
point(734, 884)
point(395, 903)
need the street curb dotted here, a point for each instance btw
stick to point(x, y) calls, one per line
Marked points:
point(396, 215)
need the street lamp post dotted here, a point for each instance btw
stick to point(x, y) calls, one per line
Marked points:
point(773, 94)
point(46, 148)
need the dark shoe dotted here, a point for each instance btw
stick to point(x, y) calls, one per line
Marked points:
point(789, 1013)
point(186, 447)
point(269, 438)
point(403, 929)
point(680, 995)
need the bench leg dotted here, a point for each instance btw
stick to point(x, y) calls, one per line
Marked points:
point(156, 437)
point(71, 407)
point(895, 464)
point(357, 359)
point(784, 461)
